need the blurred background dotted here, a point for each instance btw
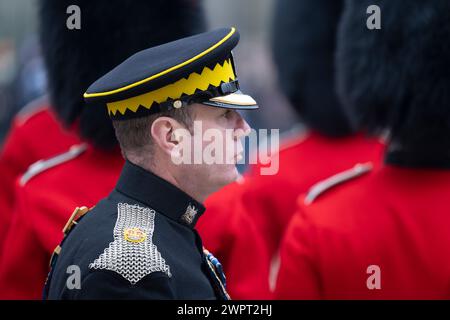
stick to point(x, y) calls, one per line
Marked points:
point(22, 73)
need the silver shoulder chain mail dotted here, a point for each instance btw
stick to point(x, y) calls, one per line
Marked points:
point(132, 254)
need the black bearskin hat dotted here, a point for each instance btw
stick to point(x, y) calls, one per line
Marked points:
point(398, 77)
point(303, 46)
point(111, 31)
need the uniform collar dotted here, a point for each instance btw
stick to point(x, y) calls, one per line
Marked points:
point(146, 187)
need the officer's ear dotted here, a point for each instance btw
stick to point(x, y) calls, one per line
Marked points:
point(167, 133)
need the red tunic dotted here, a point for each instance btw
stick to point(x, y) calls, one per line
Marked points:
point(379, 236)
point(35, 134)
point(260, 208)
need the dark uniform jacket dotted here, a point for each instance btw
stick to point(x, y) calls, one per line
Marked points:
point(138, 243)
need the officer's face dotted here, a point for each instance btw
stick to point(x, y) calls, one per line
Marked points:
point(220, 132)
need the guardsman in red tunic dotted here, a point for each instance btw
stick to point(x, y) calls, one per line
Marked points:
point(328, 146)
point(382, 233)
point(27, 142)
point(47, 193)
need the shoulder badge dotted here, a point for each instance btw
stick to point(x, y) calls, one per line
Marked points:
point(135, 235)
point(324, 185)
point(43, 165)
point(132, 254)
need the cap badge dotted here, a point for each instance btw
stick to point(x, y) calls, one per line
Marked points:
point(177, 104)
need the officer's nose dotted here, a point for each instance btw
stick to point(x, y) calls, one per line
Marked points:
point(242, 128)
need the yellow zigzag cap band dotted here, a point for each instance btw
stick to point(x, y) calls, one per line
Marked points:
point(175, 90)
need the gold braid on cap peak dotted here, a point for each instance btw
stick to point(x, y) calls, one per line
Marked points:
point(221, 73)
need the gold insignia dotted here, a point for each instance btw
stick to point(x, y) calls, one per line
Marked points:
point(135, 235)
point(76, 214)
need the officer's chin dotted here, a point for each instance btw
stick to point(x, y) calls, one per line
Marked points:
point(225, 175)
